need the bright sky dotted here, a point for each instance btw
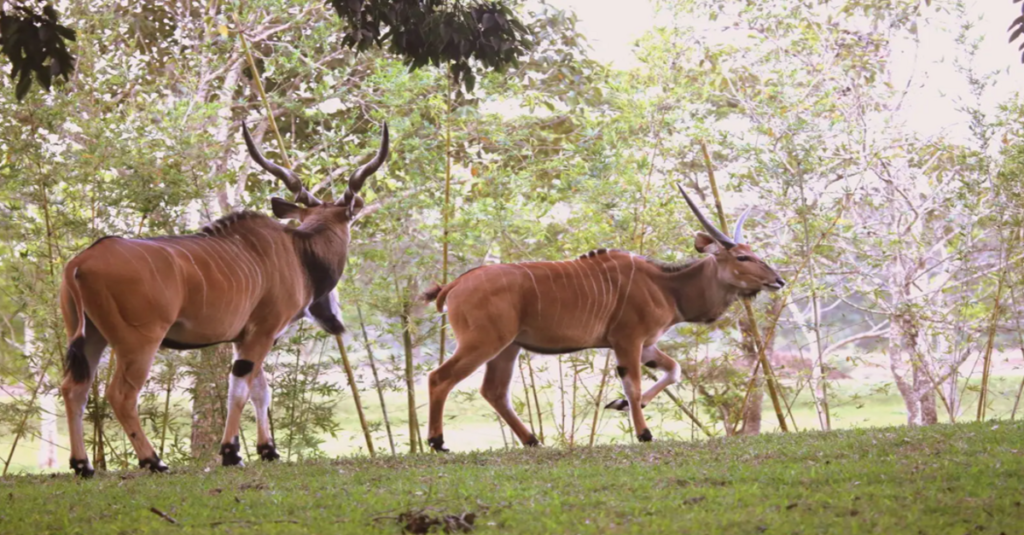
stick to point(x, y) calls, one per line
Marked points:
point(611, 29)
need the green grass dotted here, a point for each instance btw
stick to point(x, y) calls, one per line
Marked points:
point(942, 479)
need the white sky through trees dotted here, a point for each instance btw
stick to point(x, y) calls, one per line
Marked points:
point(613, 26)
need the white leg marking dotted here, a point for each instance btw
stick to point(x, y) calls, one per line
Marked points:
point(260, 397)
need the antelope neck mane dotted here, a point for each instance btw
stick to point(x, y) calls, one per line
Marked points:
point(237, 221)
point(317, 248)
point(672, 267)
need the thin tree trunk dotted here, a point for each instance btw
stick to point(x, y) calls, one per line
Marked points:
point(355, 395)
point(167, 406)
point(445, 210)
point(750, 412)
point(1020, 336)
point(376, 380)
point(526, 394)
point(536, 399)
point(994, 323)
point(752, 321)
point(410, 383)
point(600, 394)
point(210, 368)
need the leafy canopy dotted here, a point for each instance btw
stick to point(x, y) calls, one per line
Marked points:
point(425, 32)
point(35, 44)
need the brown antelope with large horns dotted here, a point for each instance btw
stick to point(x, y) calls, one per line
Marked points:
point(244, 279)
point(603, 299)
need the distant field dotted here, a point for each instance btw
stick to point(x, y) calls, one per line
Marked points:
point(965, 478)
point(470, 422)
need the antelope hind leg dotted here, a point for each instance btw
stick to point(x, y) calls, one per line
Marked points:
point(468, 356)
point(132, 370)
point(85, 356)
point(495, 389)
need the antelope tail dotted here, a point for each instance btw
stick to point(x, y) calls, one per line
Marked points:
point(439, 293)
point(75, 362)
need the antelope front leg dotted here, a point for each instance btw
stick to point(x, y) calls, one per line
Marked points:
point(655, 358)
point(249, 355)
point(652, 357)
point(260, 396)
point(628, 357)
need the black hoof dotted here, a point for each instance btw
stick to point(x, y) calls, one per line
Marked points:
point(268, 452)
point(619, 405)
point(229, 455)
point(82, 467)
point(646, 436)
point(532, 442)
point(154, 464)
point(437, 444)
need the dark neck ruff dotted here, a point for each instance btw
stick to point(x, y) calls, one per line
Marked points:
point(322, 273)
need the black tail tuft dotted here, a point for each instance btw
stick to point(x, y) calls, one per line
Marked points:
point(432, 293)
point(75, 361)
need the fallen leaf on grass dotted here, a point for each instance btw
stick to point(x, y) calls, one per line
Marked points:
point(421, 521)
point(162, 515)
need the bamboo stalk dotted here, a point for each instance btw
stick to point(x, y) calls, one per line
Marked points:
point(682, 406)
point(263, 95)
point(769, 375)
point(536, 399)
point(24, 419)
point(376, 380)
point(1020, 335)
point(986, 369)
point(770, 332)
point(600, 394)
point(575, 384)
point(445, 209)
point(355, 395)
point(167, 409)
point(410, 384)
point(526, 393)
point(42, 374)
point(561, 397)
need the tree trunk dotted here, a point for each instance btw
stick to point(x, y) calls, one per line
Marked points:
point(751, 413)
point(908, 370)
point(210, 368)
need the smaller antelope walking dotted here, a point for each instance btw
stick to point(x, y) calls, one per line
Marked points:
point(603, 299)
point(244, 279)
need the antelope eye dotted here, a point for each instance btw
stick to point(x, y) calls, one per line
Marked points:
point(743, 258)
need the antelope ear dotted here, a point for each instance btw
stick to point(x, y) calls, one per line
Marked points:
point(286, 210)
point(704, 243)
point(357, 204)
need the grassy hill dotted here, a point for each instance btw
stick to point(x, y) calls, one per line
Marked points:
point(944, 479)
